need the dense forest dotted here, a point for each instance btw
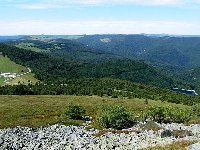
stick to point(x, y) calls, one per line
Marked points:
point(51, 69)
point(182, 52)
point(67, 49)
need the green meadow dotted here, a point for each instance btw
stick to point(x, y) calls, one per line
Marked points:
point(6, 65)
point(30, 46)
point(36, 111)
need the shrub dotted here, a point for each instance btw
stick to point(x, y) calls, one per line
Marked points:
point(196, 109)
point(115, 117)
point(181, 115)
point(158, 114)
point(75, 111)
point(168, 114)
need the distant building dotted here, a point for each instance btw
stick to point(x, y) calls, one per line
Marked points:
point(189, 92)
point(8, 75)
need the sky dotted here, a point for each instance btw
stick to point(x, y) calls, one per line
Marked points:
point(72, 17)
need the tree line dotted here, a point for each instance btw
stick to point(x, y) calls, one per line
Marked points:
point(114, 88)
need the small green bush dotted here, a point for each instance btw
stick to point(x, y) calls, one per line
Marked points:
point(168, 114)
point(115, 117)
point(75, 112)
point(196, 109)
point(181, 115)
point(157, 113)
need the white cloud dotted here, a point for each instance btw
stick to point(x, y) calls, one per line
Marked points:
point(98, 27)
point(44, 4)
point(38, 6)
point(143, 2)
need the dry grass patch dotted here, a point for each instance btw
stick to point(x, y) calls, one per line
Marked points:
point(175, 146)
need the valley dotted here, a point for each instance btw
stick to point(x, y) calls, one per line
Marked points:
point(99, 75)
point(43, 78)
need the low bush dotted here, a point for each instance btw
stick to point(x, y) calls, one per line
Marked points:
point(196, 109)
point(115, 117)
point(75, 111)
point(157, 113)
point(181, 115)
point(168, 114)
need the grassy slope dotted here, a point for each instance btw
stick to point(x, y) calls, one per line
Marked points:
point(6, 65)
point(35, 111)
point(24, 79)
point(30, 46)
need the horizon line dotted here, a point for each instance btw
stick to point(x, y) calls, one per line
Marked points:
point(164, 34)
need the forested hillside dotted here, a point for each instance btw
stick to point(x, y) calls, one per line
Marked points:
point(51, 69)
point(60, 72)
point(182, 52)
point(8, 38)
point(67, 49)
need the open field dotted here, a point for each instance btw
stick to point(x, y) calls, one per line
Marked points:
point(30, 46)
point(35, 111)
point(24, 79)
point(73, 37)
point(6, 65)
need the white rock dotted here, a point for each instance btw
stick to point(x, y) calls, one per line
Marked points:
point(194, 147)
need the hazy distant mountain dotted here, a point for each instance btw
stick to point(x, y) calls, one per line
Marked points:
point(8, 38)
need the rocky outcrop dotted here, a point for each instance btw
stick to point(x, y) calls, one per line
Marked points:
point(60, 137)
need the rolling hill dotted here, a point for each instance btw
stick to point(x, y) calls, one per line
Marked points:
point(181, 52)
point(61, 73)
point(169, 52)
point(48, 67)
point(67, 49)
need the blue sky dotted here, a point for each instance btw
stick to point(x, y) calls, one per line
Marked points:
point(99, 17)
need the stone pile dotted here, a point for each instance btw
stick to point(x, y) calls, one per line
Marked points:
point(60, 137)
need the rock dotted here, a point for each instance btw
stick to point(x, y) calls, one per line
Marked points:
point(59, 137)
point(39, 145)
point(194, 147)
point(182, 133)
point(1, 141)
point(87, 118)
point(166, 133)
